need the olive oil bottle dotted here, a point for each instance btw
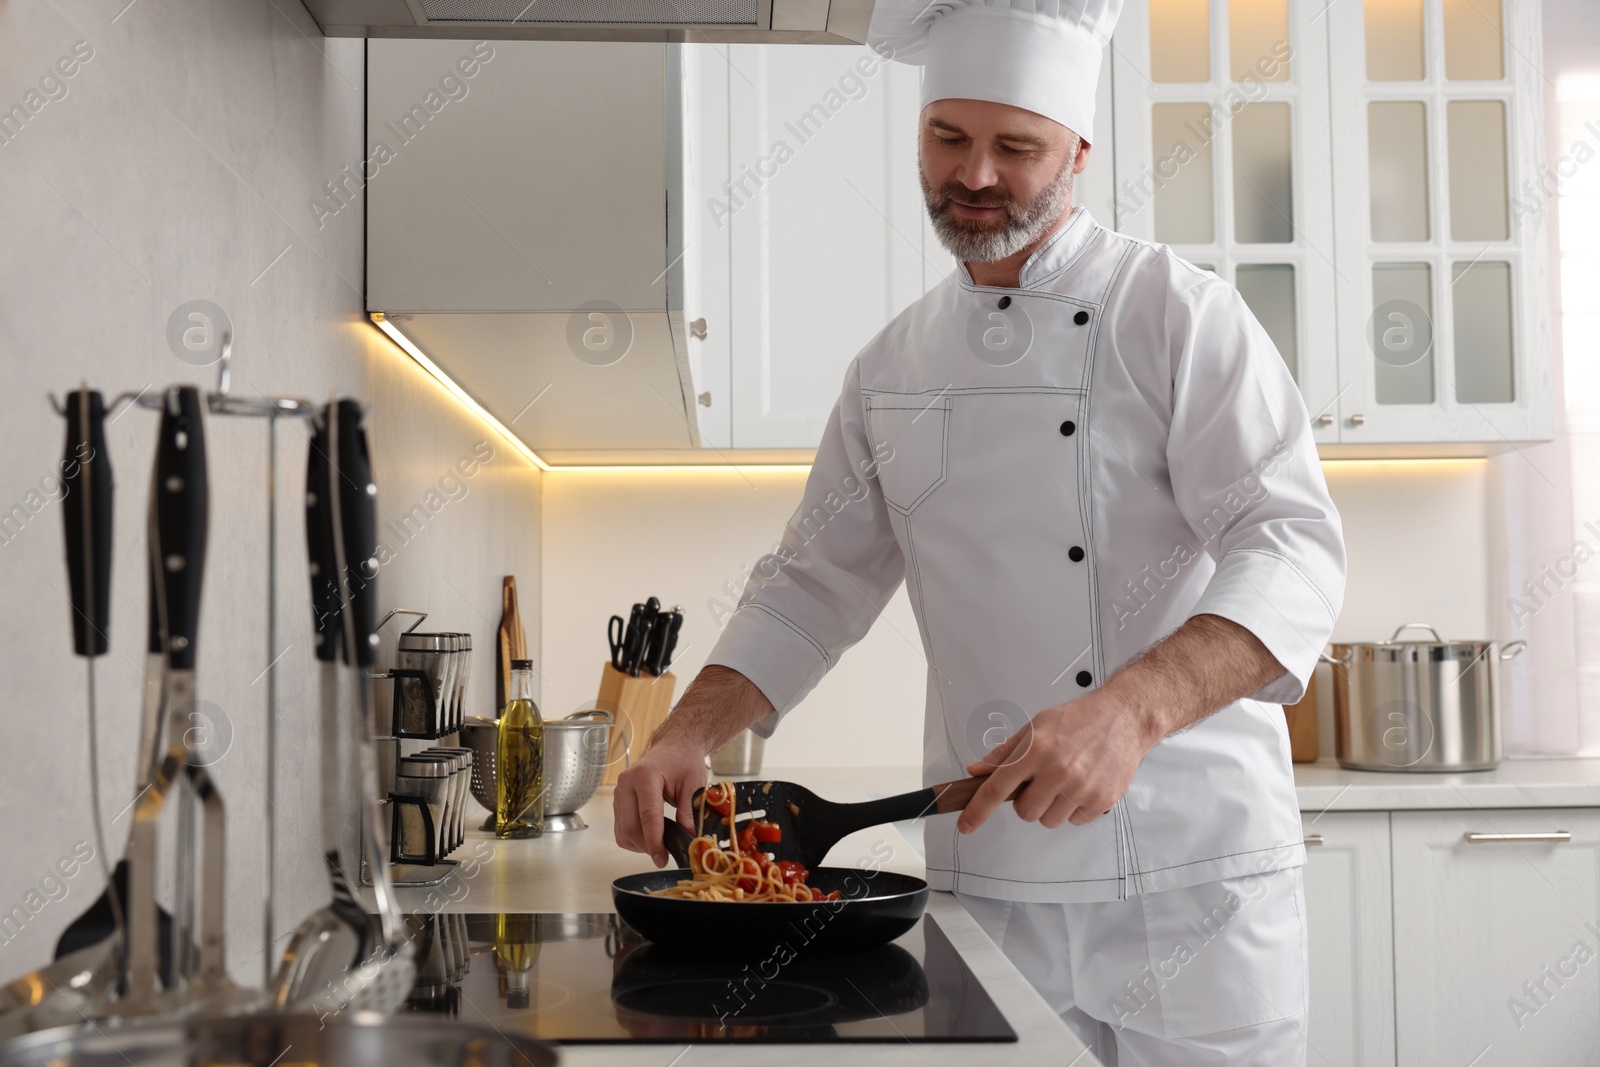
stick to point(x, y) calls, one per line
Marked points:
point(519, 759)
point(516, 950)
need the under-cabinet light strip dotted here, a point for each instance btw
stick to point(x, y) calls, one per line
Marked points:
point(466, 400)
point(461, 395)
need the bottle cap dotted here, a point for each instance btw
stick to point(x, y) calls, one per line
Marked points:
point(522, 664)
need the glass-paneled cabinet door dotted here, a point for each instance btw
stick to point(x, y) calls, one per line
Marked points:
point(823, 211)
point(1441, 262)
point(1222, 152)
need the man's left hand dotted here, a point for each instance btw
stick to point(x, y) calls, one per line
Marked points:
point(1078, 758)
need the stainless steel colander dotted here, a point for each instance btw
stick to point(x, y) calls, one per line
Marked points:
point(576, 752)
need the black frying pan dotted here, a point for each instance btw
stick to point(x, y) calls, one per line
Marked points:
point(875, 908)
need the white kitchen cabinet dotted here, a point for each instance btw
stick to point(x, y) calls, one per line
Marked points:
point(1223, 152)
point(823, 218)
point(1497, 939)
point(1442, 288)
point(1358, 171)
point(1348, 905)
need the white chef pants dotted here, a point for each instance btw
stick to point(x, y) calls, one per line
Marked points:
point(1208, 974)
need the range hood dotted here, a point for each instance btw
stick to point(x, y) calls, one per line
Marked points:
point(684, 21)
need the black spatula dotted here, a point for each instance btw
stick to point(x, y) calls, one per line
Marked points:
point(810, 826)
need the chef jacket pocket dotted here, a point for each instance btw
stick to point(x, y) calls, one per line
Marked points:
point(909, 437)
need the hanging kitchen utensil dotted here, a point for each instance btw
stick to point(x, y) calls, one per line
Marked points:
point(178, 525)
point(85, 964)
point(86, 511)
point(810, 826)
point(386, 975)
point(87, 508)
point(331, 941)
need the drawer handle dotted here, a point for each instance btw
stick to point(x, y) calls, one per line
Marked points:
point(1313, 839)
point(1553, 836)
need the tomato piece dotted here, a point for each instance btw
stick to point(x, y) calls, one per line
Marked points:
point(749, 875)
point(792, 873)
point(747, 840)
point(766, 831)
point(718, 800)
point(832, 896)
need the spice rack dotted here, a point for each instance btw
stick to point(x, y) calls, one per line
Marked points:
point(426, 788)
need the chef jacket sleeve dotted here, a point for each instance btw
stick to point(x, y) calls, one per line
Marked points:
point(834, 569)
point(1245, 474)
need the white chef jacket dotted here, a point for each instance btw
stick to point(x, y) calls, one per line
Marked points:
point(1148, 458)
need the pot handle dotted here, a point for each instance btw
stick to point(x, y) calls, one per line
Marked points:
point(1513, 649)
point(1332, 661)
point(1415, 626)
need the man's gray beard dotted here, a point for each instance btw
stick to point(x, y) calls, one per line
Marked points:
point(970, 240)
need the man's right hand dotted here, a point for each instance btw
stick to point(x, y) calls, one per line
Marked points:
point(670, 770)
point(717, 705)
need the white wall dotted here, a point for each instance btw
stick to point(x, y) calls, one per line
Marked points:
point(178, 165)
point(690, 538)
point(1415, 533)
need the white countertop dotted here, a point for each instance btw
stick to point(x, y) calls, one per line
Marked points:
point(1516, 783)
point(572, 872)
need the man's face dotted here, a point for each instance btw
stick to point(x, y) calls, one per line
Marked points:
point(995, 177)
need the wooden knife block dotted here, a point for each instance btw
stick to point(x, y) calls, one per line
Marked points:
point(639, 706)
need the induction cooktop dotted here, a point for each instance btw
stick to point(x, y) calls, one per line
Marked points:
point(590, 979)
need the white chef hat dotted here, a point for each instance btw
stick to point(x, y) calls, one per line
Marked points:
point(1041, 55)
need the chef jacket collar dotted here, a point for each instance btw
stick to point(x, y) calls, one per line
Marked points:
point(1060, 249)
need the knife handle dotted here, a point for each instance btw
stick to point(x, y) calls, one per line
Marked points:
point(86, 515)
point(181, 501)
point(633, 641)
point(358, 518)
point(324, 559)
point(669, 640)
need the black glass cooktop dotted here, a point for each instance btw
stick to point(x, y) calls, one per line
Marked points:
point(590, 979)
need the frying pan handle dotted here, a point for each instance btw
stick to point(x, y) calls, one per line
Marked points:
point(86, 514)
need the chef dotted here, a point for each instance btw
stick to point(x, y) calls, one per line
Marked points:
point(1095, 476)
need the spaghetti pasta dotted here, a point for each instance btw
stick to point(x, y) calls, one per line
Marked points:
point(742, 872)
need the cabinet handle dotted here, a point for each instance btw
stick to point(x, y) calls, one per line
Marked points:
point(1313, 839)
point(1553, 837)
point(697, 329)
point(1323, 420)
point(1358, 420)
